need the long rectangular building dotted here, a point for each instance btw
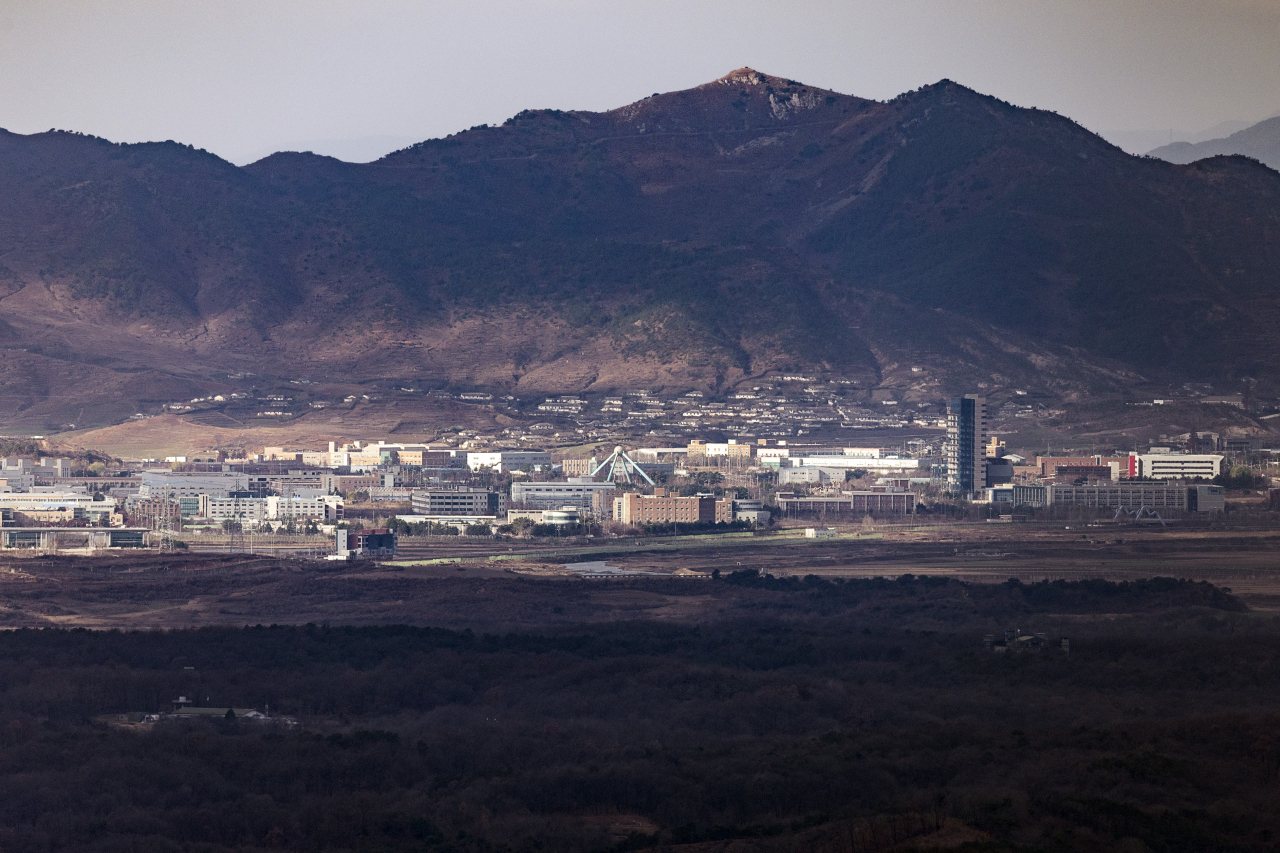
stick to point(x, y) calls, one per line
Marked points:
point(1175, 466)
point(878, 464)
point(576, 491)
point(662, 508)
point(461, 501)
point(508, 460)
point(850, 503)
point(1133, 496)
point(179, 484)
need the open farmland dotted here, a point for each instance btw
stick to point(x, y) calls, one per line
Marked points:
point(443, 581)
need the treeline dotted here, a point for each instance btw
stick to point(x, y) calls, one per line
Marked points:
point(1095, 595)
point(809, 716)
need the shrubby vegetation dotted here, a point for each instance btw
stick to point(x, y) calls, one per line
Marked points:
point(1241, 477)
point(814, 715)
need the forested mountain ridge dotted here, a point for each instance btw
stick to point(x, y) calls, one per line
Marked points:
point(692, 239)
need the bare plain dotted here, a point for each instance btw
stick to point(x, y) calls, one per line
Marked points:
point(503, 585)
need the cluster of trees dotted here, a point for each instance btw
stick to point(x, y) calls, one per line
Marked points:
point(1240, 477)
point(811, 715)
point(302, 528)
point(686, 527)
point(421, 528)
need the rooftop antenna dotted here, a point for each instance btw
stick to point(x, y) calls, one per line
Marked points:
point(628, 465)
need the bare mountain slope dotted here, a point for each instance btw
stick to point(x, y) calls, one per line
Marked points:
point(692, 239)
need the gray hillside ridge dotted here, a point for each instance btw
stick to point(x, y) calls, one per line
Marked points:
point(1260, 141)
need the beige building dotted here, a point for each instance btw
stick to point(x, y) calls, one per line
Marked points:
point(712, 450)
point(662, 508)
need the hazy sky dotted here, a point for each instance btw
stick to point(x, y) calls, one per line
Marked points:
point(246, 77)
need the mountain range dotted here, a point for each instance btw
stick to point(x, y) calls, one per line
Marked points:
point(937, 242)
point(1260, 141)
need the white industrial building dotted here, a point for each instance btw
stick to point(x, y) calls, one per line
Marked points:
point(16, 467)
point(508, 460)
point(1133, 496)
point(240, 509)
point(461, 501)
point(320, 507)
point(178, 484)
point(809, 474)
point(274, 508)
point(576, 491)
point(877, 464)
point(1178, 466)
point(38, 501)
point(858, 452)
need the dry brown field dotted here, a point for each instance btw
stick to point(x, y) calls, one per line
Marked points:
point(168, 590)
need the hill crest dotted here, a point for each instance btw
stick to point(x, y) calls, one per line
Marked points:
point(745, 227)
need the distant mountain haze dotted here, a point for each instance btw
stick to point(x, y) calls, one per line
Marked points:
point(1260, 141)
point(699, 238)
point(1143, 140)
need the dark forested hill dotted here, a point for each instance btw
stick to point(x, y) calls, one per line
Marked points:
point(691, 239)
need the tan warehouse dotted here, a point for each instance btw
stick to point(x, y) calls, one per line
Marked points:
point(662, 508)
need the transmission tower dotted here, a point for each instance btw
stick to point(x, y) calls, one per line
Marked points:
point(235, 542)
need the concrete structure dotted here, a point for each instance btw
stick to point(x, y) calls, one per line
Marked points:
point(771, 457)
point(1065, 473)
point(178, 484)
point(661, 508)
point(534, 515)
point(577, 467)
point(360, 455)
point(855, 452)
point(508, 460)
point(351, 544)
point(154, 509)
point(327, 508)
point(344, 483)
point(859, 503)
point(576, 491)
point(252, 510)
point(808, 474)
point(51, 539)
point(1176, 466)
point(1047, 467)
point(752, 511)
point(875, 464)
point(288, 483)
point(459, 501)
point(61, 507)
point(1132, 496)
point(1206, 498)
point(44, 467)
point(567, 516)
point(848, 503)
point(16, 480)
point(1017, 494)
point(646, 454)
point(730, 450)
point(602, 503)
point(456, 521)
point(967, 427)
